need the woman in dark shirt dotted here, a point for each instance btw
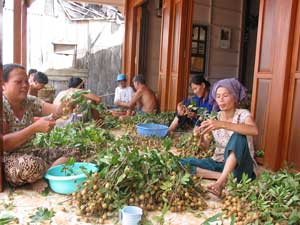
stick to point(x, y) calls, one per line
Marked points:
point(186, 116)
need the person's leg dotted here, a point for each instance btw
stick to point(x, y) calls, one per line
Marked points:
point(208, 174)
point(59, 161)
point(58, 155)
point(23, 169)
point(230, 165)
point(206, 168)
point(237, 160)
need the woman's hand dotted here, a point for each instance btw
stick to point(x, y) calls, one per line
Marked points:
point(196, 131)
point(181, 109)
point(44, 125)
point(210, 125)
point(192, 115)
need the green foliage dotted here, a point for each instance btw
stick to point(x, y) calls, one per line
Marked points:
point(131, 173)
point(276, 196)
point(214, 218)
point(45, 192)
point(68, 167)
point(86, 137)
point(161, 218)
point(6, 219)
point(259, 153)
point(42, 214)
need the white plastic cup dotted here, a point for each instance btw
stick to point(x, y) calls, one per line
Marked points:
point(130, 215)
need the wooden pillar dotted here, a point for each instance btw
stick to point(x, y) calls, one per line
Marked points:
point(20, 32)
point(271, 76)
point(24, 35)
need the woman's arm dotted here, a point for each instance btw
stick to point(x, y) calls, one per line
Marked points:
point(93, 97)
point(13, 140)
point(55, 109)
point(247, 128)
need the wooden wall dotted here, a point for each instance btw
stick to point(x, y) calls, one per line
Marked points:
point(221, 63)
point(292, 116)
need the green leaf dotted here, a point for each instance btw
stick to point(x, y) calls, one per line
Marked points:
point(70, 161)
point(232, 220)
point(45, 192)
point(161, 218)
point(121, 178)
point(6, 219)
point(166, 186)
point(214, 218)
point(185, 179)
point(42, 214)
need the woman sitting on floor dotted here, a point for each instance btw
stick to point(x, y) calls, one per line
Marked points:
point(232, 131)
point(200, 88)
point(22, 164)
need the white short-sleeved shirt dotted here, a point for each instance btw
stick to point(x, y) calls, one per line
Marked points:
point(222, 136)
point(123, 94)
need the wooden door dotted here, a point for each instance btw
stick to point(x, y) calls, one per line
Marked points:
point(292, 122)
point(271, 76)
point(132, 8)
point(164, 67)
point(180, 52)
point(138, 39)
point(174, 52)
point(1, 144)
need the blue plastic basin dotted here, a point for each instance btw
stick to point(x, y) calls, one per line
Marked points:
point(152, 129)
point(66, 182)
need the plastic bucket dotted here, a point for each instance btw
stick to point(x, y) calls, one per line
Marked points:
point(130, 215)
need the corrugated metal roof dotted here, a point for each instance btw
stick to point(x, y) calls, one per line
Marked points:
point(85, 11)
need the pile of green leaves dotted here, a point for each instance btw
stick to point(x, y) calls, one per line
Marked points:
point(108, 121)
point(85, 136)
point(130, 174)
point(275, 196)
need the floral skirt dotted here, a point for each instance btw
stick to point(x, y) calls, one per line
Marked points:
point(31, 165)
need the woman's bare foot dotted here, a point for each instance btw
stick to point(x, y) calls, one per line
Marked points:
point(216, 189)
point(39, 186)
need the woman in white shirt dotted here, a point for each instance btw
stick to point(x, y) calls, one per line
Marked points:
point(232, 131)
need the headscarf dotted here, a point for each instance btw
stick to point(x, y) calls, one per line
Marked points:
point(238, 91)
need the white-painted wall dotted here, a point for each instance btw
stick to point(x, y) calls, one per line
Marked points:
point(43, 29)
